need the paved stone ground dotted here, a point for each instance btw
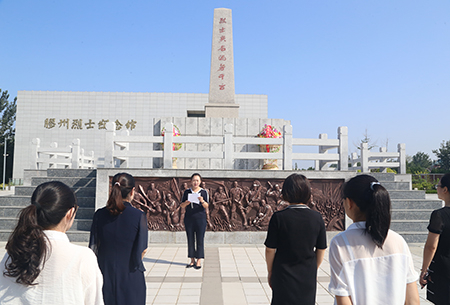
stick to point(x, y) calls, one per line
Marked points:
point(231, 275)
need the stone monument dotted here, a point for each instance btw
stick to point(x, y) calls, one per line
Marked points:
point(221, 102)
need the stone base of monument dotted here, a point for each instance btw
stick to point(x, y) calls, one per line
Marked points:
point(410, 209)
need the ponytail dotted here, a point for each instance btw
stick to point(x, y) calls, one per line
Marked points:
point(27, 245)
point(122, 185)
point(373, 200)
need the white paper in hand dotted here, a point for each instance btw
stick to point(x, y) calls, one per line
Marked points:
point(193, 198)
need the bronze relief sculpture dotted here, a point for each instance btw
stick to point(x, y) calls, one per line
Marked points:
point(235, 204)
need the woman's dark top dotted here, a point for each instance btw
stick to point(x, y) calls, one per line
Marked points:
point(438, 287)
point(195, 209)
point(295, 233)
point(119, 242)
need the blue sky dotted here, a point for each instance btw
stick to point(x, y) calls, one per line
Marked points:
point(381, 66)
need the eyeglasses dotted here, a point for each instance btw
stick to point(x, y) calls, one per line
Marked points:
point(437, 185)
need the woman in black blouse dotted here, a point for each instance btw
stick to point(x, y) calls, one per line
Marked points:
point(435, 270)
point(195, 200)
point(295, 246)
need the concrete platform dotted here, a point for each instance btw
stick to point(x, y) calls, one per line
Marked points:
point(231, 275)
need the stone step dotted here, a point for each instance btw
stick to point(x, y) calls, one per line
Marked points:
point(409, 225)
point(416, 204)
point(26, 200)
point(397, 194)
point(393, 186)
point(414, 237)
point(9, 223)
point(78, 236)
point(411, 214)
point(80, 192)
point(383, 177)
point(67, 172)
point(72, 182)
point(74, 236)
point(10, 211)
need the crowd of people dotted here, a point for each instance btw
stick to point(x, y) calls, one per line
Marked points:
point(369, 263)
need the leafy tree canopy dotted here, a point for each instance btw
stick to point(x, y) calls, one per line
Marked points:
point(418, 163)
point(366, 139)
point(7, 115)
point(443, 155)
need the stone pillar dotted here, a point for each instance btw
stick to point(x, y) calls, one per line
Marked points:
point(402, 157)
point(221, 102)
point(343, 148)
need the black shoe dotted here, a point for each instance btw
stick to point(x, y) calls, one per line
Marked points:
point(197, 267)
point(190, 265)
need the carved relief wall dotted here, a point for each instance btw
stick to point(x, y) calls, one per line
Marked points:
point(234, 205)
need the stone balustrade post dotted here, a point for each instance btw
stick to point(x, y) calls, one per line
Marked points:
point(287, 147)
point(168, 145)
point(382, 159)
point(92, 161)
point(125, 146)
point(109, 144)
point(365, 157)
point(228, 146)
point(52, 157)
point(322, 150)
point(35, 144)
point(76, 153)
point(343, 148)
point(402, 157)
point(354, 156)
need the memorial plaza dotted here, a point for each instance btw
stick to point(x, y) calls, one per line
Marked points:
point(231, 275)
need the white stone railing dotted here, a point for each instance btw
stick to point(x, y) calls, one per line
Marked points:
point(228, 153)
point(72, 156)
point(381, 160)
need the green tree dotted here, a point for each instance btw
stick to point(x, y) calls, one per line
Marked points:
point(366, 139)
point(7, 131)
point(420, 162)
point(443, 155)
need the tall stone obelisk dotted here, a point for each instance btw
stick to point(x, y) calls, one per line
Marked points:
point(221, 101)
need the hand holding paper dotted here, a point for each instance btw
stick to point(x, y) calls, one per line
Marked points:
point(193, 198)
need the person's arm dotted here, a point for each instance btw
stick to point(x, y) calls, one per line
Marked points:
point(185, 204)
point(203, 198)
point(270, 256)
point(320, 254)
point(412, 294)
point(343, 300)
point(428, 253)
point(143, 253)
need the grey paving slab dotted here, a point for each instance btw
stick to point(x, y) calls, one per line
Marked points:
point(231, 275)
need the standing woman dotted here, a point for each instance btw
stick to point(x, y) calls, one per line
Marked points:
point(295, 246)
point(41, 266)
point(436, 253)
point(195, 200)
point(369, 263)
point(119, 237)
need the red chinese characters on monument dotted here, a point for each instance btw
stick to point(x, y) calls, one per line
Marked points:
point(222, 57)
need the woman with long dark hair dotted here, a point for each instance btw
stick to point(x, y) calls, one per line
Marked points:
point(435, 271)
point(295, 246)
point(195, 202)
point(41, 266)
point(119, 237)
point(369, 263)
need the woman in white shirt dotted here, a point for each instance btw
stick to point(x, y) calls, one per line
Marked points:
point(41, 266)
point(370, 264)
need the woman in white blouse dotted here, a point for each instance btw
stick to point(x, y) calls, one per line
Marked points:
point(370, 264)
point(41, 266)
